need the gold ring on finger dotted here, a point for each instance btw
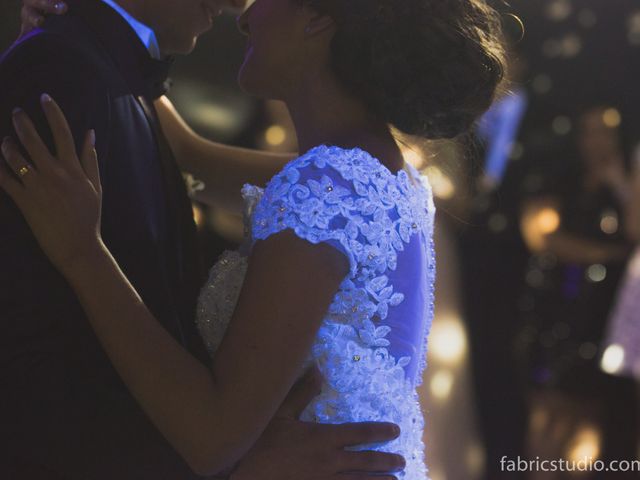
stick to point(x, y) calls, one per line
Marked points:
point(23, 171)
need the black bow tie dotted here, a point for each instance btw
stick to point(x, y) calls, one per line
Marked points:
point(144, 74)
point(155, 75)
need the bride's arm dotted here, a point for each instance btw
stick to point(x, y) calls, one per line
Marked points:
point(223, 169)
point(212, 417)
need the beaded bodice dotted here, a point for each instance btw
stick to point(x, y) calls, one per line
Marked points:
point(371, 346)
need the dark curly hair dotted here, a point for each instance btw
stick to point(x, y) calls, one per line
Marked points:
point(428, 67)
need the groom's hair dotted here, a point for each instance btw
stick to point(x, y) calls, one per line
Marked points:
point(428, 67)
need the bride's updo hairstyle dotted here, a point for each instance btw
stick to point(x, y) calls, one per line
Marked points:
point(428, 67)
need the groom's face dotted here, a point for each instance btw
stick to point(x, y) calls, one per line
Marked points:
point(179, 23)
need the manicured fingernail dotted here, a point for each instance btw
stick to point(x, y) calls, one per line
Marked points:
point(60, 7)
point(45, 98)
point(16, 111)
point(92, 137)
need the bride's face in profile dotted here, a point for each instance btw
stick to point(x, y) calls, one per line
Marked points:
point(280, 51)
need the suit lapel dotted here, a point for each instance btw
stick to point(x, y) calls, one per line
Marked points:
point(185, 267)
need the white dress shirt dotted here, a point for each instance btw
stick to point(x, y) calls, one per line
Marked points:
point(145, 33)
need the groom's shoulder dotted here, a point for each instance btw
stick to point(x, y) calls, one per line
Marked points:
point(49, 60)
point(41, 48)
point(60, 45)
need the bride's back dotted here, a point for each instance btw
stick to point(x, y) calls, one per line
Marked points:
point(411, 319)
point(371, 346)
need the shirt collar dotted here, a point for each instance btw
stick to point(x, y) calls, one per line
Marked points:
point(145, 33)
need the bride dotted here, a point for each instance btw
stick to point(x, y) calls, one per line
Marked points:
point(338, 267)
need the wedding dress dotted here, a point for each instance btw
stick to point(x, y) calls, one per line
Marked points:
point(371, 346)
point(624, 324)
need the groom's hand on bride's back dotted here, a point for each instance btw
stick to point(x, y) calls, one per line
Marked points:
point(293, 450)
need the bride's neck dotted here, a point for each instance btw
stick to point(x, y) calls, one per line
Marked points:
point(324, 113)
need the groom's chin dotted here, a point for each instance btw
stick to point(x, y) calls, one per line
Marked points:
point(190, 47)
point(183, 47)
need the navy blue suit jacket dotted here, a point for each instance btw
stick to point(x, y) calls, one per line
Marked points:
point(64, 413)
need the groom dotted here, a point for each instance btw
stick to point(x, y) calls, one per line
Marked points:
point(64, 413)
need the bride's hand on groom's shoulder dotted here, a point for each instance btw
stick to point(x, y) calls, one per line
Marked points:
point(60, 196)
point(293, 450)
point(34, 12)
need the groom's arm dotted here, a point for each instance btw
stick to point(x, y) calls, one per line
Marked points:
point(223, 169)
point(294, 450)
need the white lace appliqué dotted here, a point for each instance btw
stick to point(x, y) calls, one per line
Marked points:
point(347, 199)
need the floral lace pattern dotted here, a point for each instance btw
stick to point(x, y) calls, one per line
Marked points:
point(348, 199)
